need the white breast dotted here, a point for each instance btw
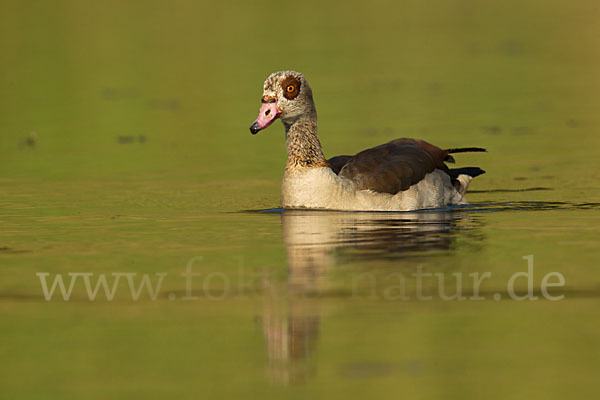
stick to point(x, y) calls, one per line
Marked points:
point(321, 188)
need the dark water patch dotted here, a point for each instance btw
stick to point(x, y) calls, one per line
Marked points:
point(23, 297)
point(532, 189)
point(435, 88)
point(30, 141)
point(517, 130)
point(130, 139)
point(588, 206)
point(114, 93)
point(522, 130)
point(9, 250)
point(512, 47)
point(492, 129)
point(526, 206)
point(261, 211)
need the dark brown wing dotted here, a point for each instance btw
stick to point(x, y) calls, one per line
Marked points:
point(391, 167)
point(337, 163)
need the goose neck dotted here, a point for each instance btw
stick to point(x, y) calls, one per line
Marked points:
point(303, 146)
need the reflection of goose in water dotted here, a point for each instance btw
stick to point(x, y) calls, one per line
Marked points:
point(291, 329)
point(316, 240)
point(375, 235)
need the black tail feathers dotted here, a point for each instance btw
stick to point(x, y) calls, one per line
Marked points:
point(470, 171)
point(450, 159)
point(467, 150)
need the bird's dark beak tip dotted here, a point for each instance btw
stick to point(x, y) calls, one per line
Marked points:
point(254, 129)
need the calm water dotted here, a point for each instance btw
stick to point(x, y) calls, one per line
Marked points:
point(124, 148)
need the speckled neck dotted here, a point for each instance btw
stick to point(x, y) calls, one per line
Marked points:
point(303, 146)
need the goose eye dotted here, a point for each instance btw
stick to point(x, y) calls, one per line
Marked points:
point(291, 87)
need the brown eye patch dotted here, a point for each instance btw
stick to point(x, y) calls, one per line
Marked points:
point(291, 87)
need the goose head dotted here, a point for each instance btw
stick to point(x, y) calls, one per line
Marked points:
point(286, 95)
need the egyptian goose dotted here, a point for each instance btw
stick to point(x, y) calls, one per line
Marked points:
point(402, 175)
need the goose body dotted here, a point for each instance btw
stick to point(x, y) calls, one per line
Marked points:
point(321, 188)
point(402, 175)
